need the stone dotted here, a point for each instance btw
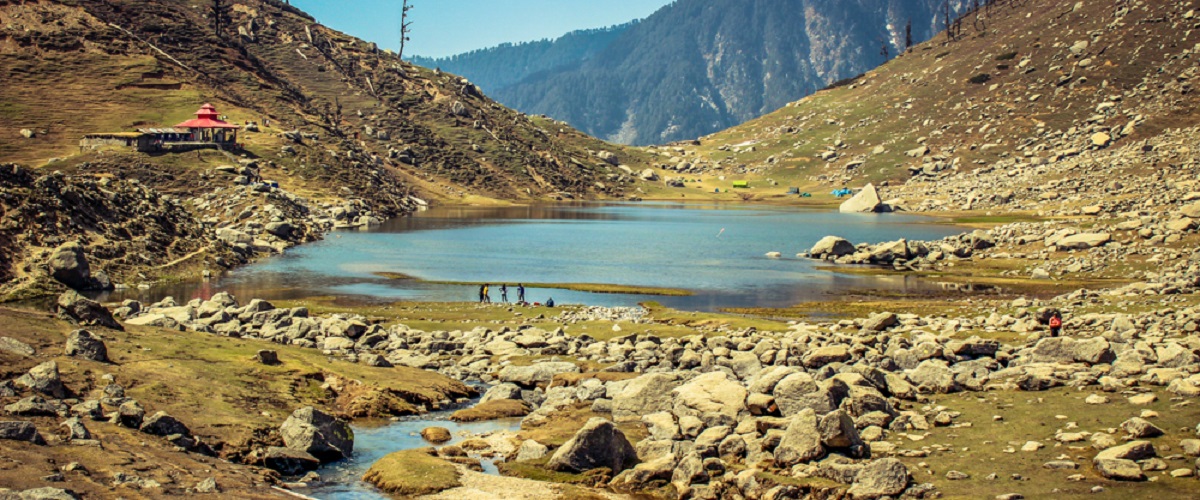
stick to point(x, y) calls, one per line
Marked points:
point(68, 265)
point(884, 477)
point(45, 493)
point(821, 356)
point(14, 346)
point(880, 322)
point(267, 357)
point(1083, 241)
point(531, 450)
point(598, 444)
point(535, 374)
point(319, 434)
point(1101, 139)
point(838, 431)
point(710, 393)
point(44, 379)
point(436, 435)
point(130, 414)
point(21, 431)
point(644, 395)
point(32, 406)
point(81, 311)
point(933, 376)
point(801, 442)
point(76, 429)
point(832, 246)
point(207, 486)
point(662, 426)
point(1139, 428)
point(289, 462)
point(501, 392)
point(1118, 462)
point(866, 201)
point(82, 344)
point(161, 424)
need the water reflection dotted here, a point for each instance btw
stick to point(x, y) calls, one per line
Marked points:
point(715, 251)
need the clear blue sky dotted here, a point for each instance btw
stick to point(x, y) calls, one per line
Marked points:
point(447, 27)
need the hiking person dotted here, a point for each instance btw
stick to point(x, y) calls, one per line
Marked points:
point(504, 293)
point(520, 293)
point(1055, 323)
point(487, 298)
point(550, 302)
point(482, 292)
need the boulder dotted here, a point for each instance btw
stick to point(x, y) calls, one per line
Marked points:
point(267, 357)
point(436, 435)
point(535, 374)
point(318, 434)
point(1083, 241)
point(933, 376)
point(866, 201)
point(289, 462)
point(598, 444)
point(644, 395)
point(81, 311)
point(838, 431)
point(501, 392)
point(76, 429)
point(14, 346)
point(68, 265)
point(801, 442)
point(886, 477)
point(531, 450)
point(161, 424)
point(44, 379)
point(45, 493)
point(710, 393)
point(82, 344)
point(1139, 428)
point(832, 246)
point(880, 322)
point(21, 431)
point(130, 414)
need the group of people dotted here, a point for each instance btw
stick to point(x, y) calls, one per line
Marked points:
point(485, 295)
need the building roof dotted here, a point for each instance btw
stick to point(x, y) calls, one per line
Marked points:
point(206, 117)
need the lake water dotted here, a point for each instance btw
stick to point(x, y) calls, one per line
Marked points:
point(716, 251)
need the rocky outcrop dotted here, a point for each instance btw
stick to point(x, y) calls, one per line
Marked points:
point(21, 431)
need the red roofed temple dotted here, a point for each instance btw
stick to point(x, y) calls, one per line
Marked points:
point(206, 127)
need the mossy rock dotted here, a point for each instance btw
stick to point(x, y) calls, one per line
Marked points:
point(413, 473)
point(492, 410)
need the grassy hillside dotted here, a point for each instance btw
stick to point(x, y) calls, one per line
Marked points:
point(78, 66)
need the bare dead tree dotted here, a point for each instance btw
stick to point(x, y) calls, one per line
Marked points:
point(946, 21)
point(908, 39)
point(405, 25)
point(219, 11)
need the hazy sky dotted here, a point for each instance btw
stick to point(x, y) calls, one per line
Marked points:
point(448, 27)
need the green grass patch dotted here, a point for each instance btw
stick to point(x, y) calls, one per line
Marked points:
point(412, 473)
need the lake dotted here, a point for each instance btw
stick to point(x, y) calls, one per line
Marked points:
point(716, 251)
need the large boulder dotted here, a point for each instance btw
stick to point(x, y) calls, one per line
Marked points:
point(801, 442)
point(501, 392)
point(319, 434)
point(598, 444)
point(710, 393)
point(82, 311)
point(21, 431)
point(1120, 462)
point(933, 376)
point(44, 379)
point(82, 344)
point(68, 265)
point(866, 201)
point(289, 462)
point(799, 391)
point(535, 374)
point(1083, 241)
point(644, 395)
point(832, 246)
point(886, 477)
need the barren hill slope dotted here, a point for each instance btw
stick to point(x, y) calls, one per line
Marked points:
point(1022, 85)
